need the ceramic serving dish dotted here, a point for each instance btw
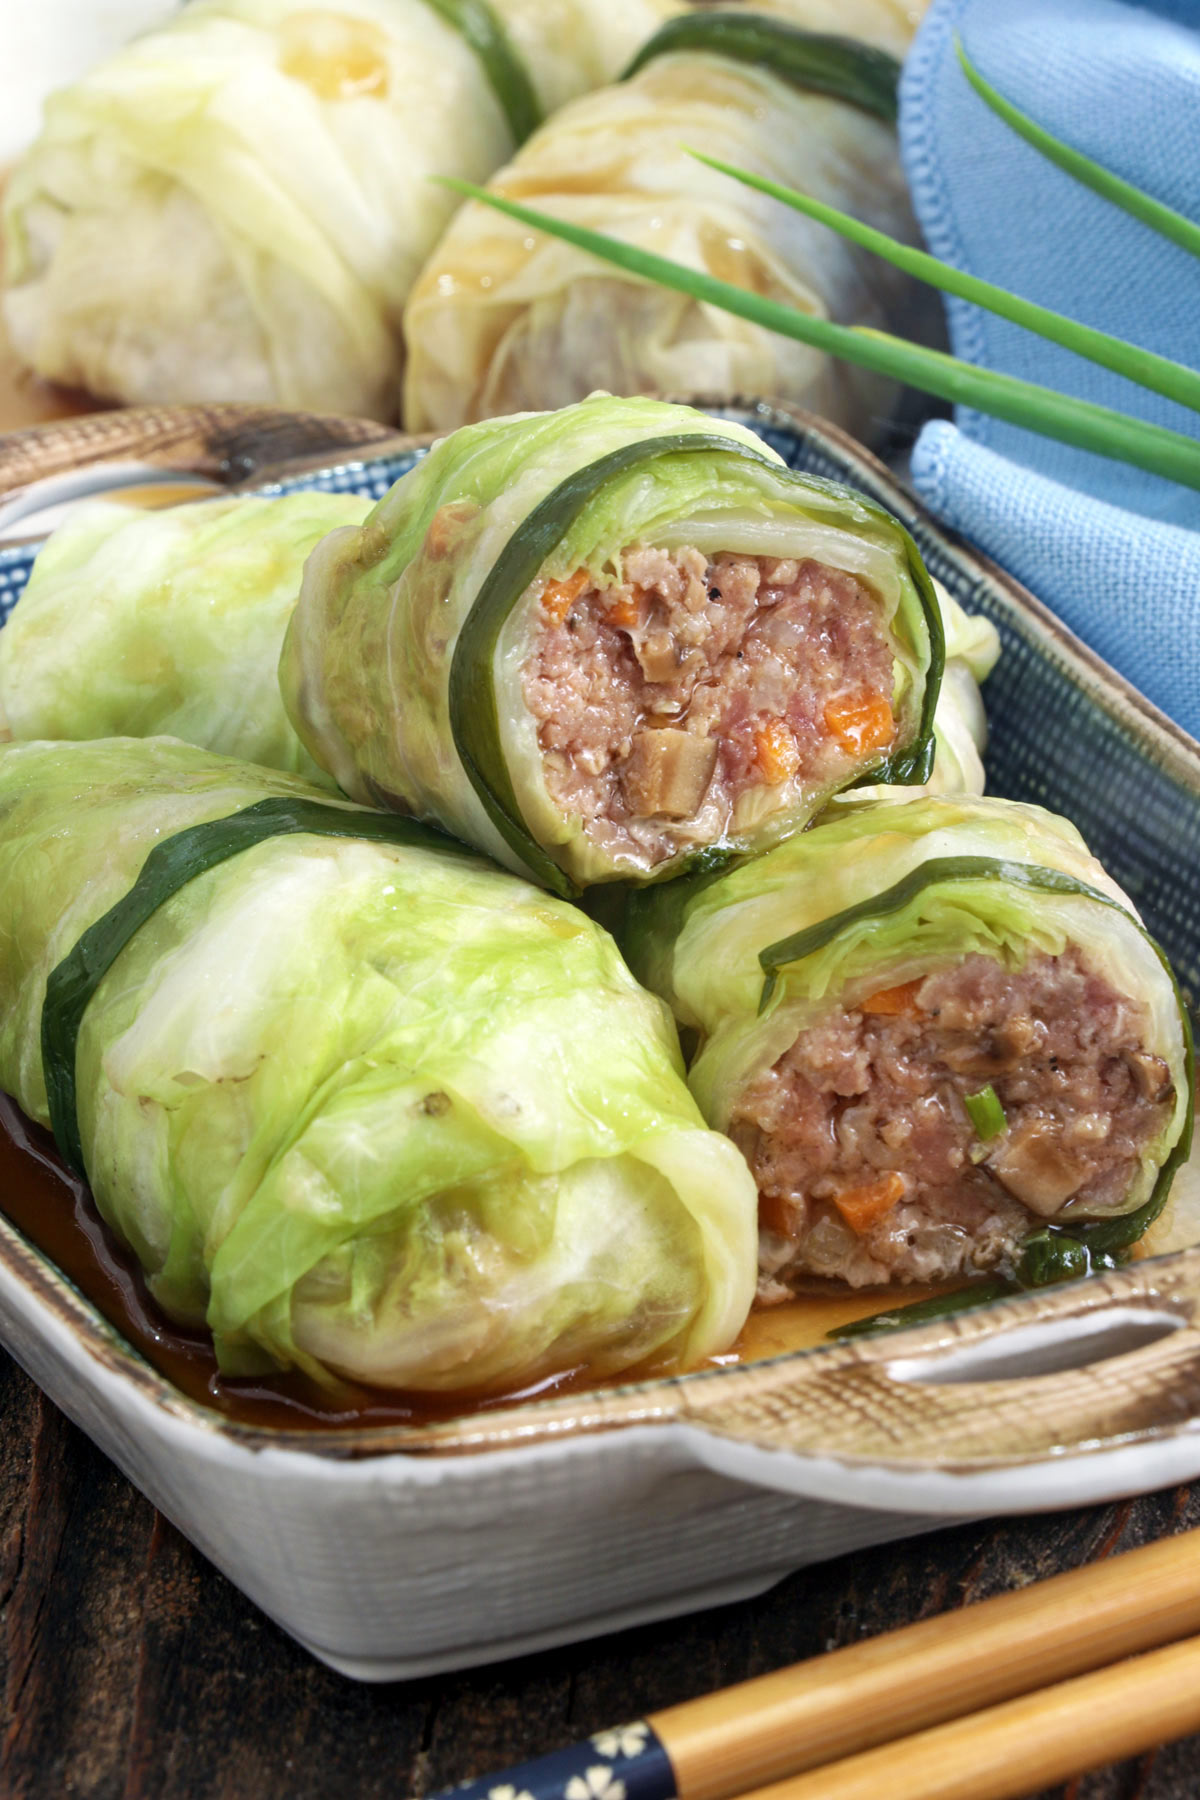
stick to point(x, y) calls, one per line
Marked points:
point(404, 1550)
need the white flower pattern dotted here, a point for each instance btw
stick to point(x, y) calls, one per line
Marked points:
point(597, 1784)
point(508, 1792)
point(625, 1740)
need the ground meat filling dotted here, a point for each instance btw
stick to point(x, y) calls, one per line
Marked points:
point(697, 694)
point(868, 1164)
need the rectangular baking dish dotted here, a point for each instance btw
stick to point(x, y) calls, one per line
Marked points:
point(403, 1551)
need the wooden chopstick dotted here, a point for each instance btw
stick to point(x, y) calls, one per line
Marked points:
point(742, 1738)
point(986, 1703)
point(1011, 1751)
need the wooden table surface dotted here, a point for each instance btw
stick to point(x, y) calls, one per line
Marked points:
point(132, 1670)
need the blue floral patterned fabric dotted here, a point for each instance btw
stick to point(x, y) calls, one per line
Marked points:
point(1114, 551)
point(626, 1763)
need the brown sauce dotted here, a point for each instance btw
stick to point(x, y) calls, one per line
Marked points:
point(55, 1211)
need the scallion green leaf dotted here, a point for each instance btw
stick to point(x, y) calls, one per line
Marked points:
point(1159, 217)
point(1158, 373)
point(925, 1312)
point(986, 1113)
point(1080, 422)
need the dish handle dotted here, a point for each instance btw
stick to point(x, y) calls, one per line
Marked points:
point(227, 442)
point(1091, 1365)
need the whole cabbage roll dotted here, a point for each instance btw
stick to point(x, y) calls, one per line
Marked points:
point(941, 1038)
point(596, 642)
point(363, 1103)
point(236, 205)
point(505, 318)
point(135, 623)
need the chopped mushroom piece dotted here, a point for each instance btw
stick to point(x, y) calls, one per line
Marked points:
point(1151, 1074)
point(1033, 1164)
point(657, 654)
point(668, 772)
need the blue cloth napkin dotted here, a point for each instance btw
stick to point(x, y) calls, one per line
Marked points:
point(1114, 551)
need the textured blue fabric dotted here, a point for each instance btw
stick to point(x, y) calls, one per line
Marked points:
point(1116, 552)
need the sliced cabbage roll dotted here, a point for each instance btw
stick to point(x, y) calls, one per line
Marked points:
point(596, 642)
point(504, 318)
point(941, 1038)
point(363, 1103)
point(235, 206)
point(135, 623)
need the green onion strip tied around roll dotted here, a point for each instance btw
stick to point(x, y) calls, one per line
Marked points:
point(346, 1090)
point(603, 642)
point(942, 1039)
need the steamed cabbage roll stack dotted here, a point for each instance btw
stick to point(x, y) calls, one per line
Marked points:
point(134, 623)
point(236, 205)
point(596, 642)
point(941, 1038)
point(363, 1103)
point(504, 318)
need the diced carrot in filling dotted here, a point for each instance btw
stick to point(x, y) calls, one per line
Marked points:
point(558, 597)
point(775, 751)
point(862, 1207)
point(860, 721)
point(893, 1000)
point(626, 612)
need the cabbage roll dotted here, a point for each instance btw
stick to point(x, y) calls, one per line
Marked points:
point(598, 642)
point(504, 318)
point(365, 1104)
point(235, 206)
point(135, 623)
point(941, 1038)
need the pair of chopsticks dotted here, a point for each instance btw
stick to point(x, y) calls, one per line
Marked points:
point(990, 1703)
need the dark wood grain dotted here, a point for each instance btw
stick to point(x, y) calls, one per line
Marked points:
point(132, 1670)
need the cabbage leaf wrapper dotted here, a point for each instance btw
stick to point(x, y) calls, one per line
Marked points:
point(361, 1102)
point(504, 318)
point(137, 624)
point(599, 642)
point(941, 1036)
point(235, 206)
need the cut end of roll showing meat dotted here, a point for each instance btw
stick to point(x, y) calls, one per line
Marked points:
point(864, 1141)
point(697, 695)
point(941, 1038)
